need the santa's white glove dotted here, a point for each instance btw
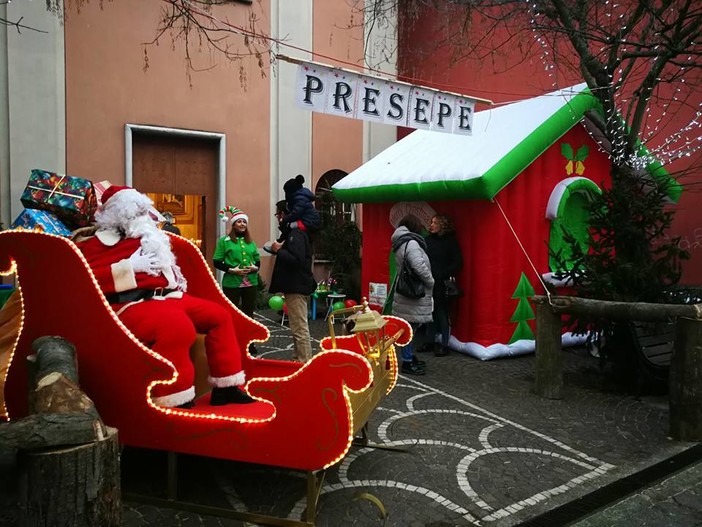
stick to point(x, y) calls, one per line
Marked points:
point(144, 263)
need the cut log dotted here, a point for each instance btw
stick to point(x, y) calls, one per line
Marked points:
point(643, 311)
point(50, 430)
point(56, 387)
point(55, 354)
point(55, 393)
point(77, 486)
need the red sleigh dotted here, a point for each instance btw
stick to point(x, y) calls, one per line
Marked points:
point(305, 418)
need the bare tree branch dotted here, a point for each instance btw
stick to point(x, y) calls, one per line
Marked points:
point(625, 51)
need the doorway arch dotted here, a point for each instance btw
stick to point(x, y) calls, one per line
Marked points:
point(568, 210)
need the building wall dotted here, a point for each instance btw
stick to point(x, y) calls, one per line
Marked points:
point(513, 68)
point(67, 95)
point(32, 113)
point(108, 86)
point(290, 127)
point(338, 142)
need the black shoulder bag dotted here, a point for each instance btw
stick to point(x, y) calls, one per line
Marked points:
point(409, 284)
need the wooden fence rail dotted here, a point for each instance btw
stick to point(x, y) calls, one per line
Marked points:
point(685, 397)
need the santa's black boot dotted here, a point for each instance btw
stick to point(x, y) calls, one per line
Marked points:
point(229, 395)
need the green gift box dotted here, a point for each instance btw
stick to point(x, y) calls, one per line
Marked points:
point(72, 199)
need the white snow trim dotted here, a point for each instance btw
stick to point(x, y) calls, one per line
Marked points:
point(496, 351)
point(550, 278)
point(123, 276)
point(108, 237)
point(238, 379)
point(175, 399)
point(496, 132)
point(569, 339)
point(556, 195)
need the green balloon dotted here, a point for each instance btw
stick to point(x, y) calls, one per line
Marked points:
point(338, 305)
point(276, 302)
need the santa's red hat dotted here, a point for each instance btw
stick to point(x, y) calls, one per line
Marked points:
point(111, 191)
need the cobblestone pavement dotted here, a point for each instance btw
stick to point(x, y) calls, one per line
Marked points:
point(481, 449)
point(675, 501)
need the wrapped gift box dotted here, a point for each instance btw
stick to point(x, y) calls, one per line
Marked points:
point(100, 187)
point(72, 199)
point(42, 220)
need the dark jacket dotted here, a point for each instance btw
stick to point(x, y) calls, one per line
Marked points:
point(301, 207)
point(292, 272)
point(445, 258)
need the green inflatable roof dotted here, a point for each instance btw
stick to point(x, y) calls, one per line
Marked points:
point(427, 166)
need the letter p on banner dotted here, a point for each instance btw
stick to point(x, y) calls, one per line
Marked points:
point(312, 87)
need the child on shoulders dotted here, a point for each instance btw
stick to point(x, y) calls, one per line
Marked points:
point(300, 211)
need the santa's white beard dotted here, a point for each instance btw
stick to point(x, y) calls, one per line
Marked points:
point(153, 240)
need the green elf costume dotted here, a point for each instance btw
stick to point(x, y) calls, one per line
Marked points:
point(238, 258)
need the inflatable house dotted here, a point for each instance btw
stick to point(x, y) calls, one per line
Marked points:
point(527, 168)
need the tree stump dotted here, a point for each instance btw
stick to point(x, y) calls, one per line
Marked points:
point(686, 382)
point(68, 461)
point(77, 486)
point(549, 353)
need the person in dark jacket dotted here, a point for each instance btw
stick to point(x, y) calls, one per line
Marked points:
point(299, 212)
point(168, 223)
point(446, 261)
point(300, 201)
point(292, 277)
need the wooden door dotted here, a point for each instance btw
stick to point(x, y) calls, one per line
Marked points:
point(184, 169)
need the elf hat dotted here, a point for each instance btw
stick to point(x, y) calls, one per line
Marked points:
point(233, 214)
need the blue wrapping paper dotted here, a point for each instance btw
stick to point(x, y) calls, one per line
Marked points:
point(42, 220)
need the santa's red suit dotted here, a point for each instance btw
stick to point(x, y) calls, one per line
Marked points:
point(164, 318)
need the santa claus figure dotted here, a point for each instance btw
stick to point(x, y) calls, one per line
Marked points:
point(137, 271)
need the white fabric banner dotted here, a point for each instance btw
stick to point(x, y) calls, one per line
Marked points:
point(463, 110)
point(419, 111)
point(396, 96)
point(341, 98)
point(442, 112)
point(371, 103)
point(312, 87)
point(348, 94)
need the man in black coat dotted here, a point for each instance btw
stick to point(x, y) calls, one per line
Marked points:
point(292, 277)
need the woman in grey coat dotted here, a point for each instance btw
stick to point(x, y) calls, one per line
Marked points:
point(408, 244)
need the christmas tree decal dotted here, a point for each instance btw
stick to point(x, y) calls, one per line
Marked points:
point(523, 312)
